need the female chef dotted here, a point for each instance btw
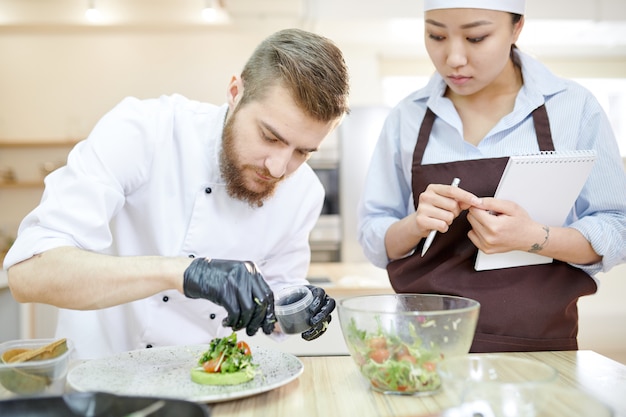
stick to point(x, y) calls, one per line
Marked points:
point(171, 202)
point(487, 101)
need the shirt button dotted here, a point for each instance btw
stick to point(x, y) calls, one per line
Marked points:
point(148, 346)
point(212, 316)
point(166, 298)
point(208, 190)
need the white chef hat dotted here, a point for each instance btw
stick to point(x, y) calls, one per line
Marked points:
point(512, 6)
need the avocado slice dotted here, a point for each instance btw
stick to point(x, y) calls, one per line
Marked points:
point(199, 376)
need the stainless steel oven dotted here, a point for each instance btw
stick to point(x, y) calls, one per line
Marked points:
point(325, 238)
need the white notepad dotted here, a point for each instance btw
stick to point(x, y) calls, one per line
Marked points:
point(546, 185)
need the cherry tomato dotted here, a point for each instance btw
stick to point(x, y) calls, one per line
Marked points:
point(243, 346)
point(212, 365)
point(408, 358)
point(377, 343)
point(402, 351)
point(379, 355)
point(429, 366)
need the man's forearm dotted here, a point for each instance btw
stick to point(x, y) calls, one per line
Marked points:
point(68, 277)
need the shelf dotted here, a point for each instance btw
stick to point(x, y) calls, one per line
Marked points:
point(37, 143)
point(20, 185)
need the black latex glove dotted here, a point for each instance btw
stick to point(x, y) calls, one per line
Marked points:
point(237, 286)
point(320, 309)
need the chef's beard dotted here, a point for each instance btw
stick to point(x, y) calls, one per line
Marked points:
point(234, 173)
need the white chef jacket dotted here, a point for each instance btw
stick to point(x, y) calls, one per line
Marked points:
point(147, 182)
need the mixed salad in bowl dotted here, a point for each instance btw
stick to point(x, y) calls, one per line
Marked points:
point(397, 340)
point(395, 364)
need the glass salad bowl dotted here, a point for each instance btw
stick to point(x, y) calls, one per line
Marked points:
point(462, 374)
point(531, 400)
point(397, 340)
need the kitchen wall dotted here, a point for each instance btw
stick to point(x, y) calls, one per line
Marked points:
point(56, 82)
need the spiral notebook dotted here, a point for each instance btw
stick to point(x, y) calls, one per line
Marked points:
point(546, 185)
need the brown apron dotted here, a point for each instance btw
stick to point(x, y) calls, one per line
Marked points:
point(526, 308)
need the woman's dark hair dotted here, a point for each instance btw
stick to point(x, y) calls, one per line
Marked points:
point(515, 18)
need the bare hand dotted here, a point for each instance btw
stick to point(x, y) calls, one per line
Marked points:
point(502, 226)
point(439, 205)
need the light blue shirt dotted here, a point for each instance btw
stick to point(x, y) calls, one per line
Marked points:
point(577, 121)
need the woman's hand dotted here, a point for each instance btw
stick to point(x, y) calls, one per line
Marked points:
point(502, 226)
point(439, 205)
point(437, 208)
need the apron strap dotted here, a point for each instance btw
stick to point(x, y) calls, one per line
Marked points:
point(542, 128)
point(423, 136)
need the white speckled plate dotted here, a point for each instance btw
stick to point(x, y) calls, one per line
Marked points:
point(165, 372)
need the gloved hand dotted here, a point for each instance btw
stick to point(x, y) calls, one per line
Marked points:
point(237, 286)
point(320, 309)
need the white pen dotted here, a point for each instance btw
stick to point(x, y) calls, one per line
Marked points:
point(431, 235)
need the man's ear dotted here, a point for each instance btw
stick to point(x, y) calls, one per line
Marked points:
point(234, 91)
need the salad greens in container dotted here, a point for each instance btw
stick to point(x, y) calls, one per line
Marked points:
point(397, 340)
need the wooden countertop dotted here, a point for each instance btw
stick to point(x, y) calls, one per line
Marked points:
point(332, 386)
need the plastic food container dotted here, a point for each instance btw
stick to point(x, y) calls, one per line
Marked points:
point(33, 378)
point(292, 308)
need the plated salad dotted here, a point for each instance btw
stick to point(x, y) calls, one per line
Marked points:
point(226, 362)
point(393, 363)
